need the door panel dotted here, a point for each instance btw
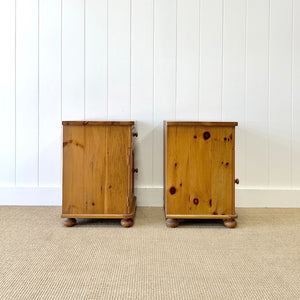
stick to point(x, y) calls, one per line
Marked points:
point(199, 170)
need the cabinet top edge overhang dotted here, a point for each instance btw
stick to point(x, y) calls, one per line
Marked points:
point(199, 123)
point(98, 123)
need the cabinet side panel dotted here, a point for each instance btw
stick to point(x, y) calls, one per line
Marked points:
point(73, 164)
point(177, 165)
point(94, 169)
point(222, 170)
point(117, 144)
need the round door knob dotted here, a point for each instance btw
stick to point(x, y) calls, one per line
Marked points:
point(135, 134)
point(237, 181)
point(136, 170)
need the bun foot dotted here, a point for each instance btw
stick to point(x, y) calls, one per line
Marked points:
point(230, 223)
point(172, 223)
point(127, 222)
point(69, 222)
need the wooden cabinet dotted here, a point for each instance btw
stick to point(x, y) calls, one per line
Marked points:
point(98, 171)
point(199, 171)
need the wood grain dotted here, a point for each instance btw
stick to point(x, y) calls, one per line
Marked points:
point(97, 171)
point(73, 166)
point(118, 142)
point(95, 162)
point(199, 171)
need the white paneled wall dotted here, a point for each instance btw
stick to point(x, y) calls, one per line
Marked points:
point(149, 61)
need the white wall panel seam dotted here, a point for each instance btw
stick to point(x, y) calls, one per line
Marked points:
point(84, 59)
point(15, 92)
point(269, 91)
point(246, 89)
point(61, 58)
point(153, 87)
point(130, 60)
point(107, 1)
point(61, 86)
point(292, 98)
point(61, 128)
point(199, 59)
point(38, 100)
point(222, 78)
point(176, 59)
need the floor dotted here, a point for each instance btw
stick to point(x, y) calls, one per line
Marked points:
point(98, 259)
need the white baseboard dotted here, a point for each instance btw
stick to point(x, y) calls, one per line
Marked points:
point(148, 196)
point(36, 196)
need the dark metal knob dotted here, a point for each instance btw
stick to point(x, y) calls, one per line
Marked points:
point(135, 134)
point(136, 170)
point(237, 181)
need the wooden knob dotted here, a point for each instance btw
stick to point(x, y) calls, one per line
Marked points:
point(136, 170)
point(237, 181)
point(135, 134)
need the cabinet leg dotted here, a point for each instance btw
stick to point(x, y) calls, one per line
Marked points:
point(229, 223)
point(69, 222)
point(127, 222)
point(172, 223)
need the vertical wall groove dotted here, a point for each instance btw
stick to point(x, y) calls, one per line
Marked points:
point(61, 87)
point(176, 60)
point(269, 99)
point(245, 94)
point(15, 183)
point(84, 59)
point(130, 60)
point(222, 78)
point(292, 98)
point(153, 87)
point(199, 60)
point(38, 101)
point(107, 1)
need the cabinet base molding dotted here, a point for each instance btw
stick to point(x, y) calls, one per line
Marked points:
point(126, 218)
point(222, 217)
point(228, 220)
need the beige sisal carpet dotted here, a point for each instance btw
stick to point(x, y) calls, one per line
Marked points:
point(41, 259)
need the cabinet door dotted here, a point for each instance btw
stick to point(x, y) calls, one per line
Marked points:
point(200, 162)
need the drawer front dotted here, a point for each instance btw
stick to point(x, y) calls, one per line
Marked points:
point(199, 170)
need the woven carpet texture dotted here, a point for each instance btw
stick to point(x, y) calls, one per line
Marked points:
point(99, 259)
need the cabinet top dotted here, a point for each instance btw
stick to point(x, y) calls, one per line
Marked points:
point(196, 123)
point(98, 123)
